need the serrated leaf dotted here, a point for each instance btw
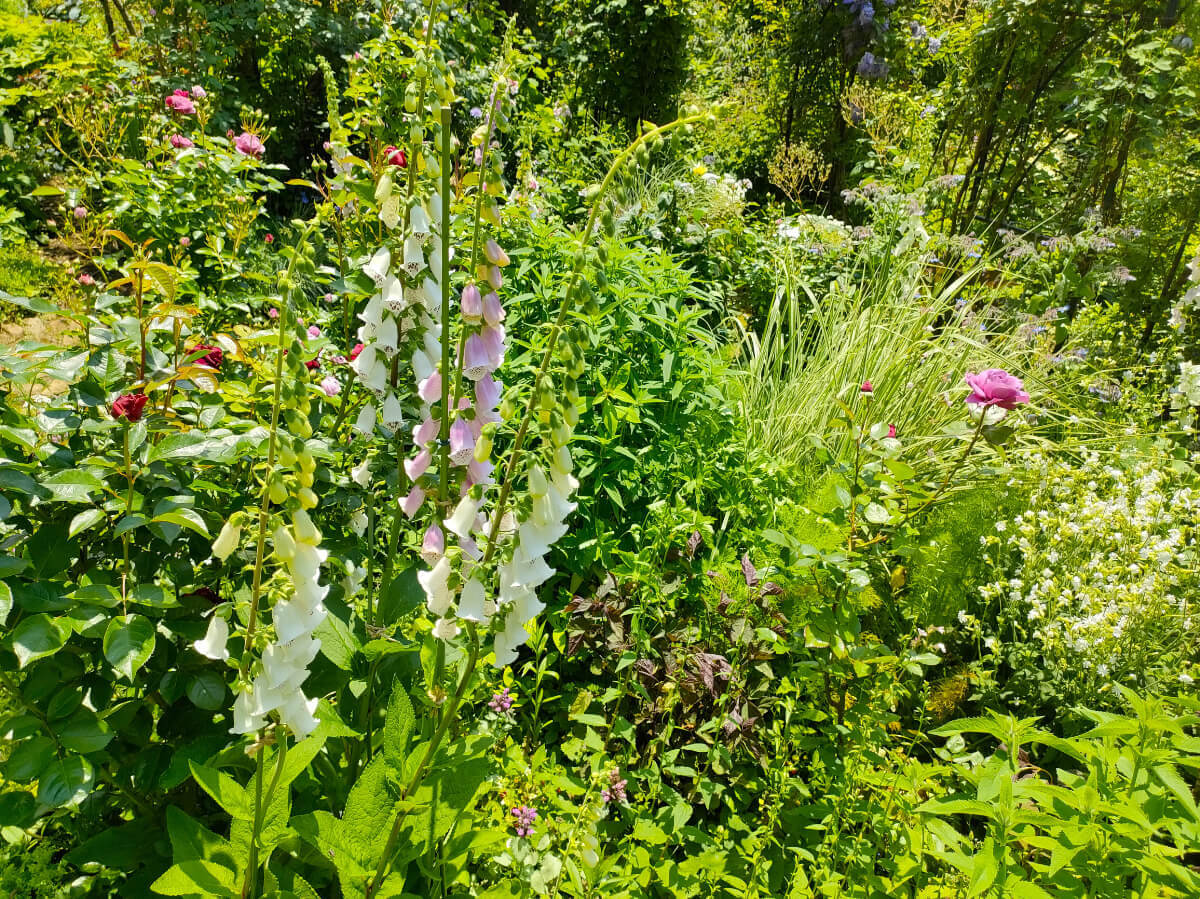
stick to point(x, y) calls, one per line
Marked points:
point(224, 790)
point(197, 877)
point(397, 727)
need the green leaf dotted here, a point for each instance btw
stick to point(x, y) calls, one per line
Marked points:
point(65, 782)
point(397, 727)
point(86, 519)
point(197, 877)
point(184, 518)
point(18, 808)
point(224, 790)
point(85, 732)
point(122, 847)
point(29, 757)
point(191, 840)
point(73, 486)
point(207, 690)
point(129, 523)
point(6, 601)
point(129, 643)
point(1169, 777)
point(37, 637)
point(984, 868)
point(338, 643)
point(370, 809)
point(152, 595)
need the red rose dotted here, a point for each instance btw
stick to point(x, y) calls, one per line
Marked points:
point(212, 358)
point(358, 348)
point(129, 406)
point(313, 364)
point(396, 157)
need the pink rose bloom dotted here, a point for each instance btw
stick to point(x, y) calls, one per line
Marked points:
point(866, 387)
point(198, 92)
point(314, 331)
point(185, 241)
point(180, 102)
point(331, 386)
point(272, 312)
point(80, 212)
point(179, 142)
point(86, 280)
point(996, 387)
point(248, 145)
point(270, 238)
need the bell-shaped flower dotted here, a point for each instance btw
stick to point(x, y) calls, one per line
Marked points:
point(297, 713)
point(377, 268)
point(412, 503)
point(365, 422)
point(392, 414)
point(244, 719)
point(387, 337)
point(305, 530)
point(285, 544)
point(426, 431)
point(462, 442)
point(471, 601)
point(292, 619)
point(471, 304)
point(353, 581)
point(445, 629)
point(495, 255)
point(358, 522)
point(392, 295)
point(414, 257)
point(418, 464)
point(480, 472)
point(215, 638)
point(462, 520)
point(493, 311)
point(430, 389)
point(432, 342)
point(508, 640)
point(494, 277)
point(227, 541)
point(372, 313)
point(435, 209)
point(433, 545)
point(477, 362)
point(361, 473)
point(418, 220)
point(524, 571)
point(536, 539)
point(470, 550)
point(431, 294)
point(422, 365)
point(435, 260)
point(435, 583)
point(287, 663)
point(493, 340)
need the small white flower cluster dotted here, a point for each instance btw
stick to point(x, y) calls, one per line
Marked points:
point(1103, 573)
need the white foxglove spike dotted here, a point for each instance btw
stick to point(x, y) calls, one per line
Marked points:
point(244, 719)
point(285, 546)
point(304, 529)
point(213, 644)
point(292, 620)
point(387, 337)
point(297, 713)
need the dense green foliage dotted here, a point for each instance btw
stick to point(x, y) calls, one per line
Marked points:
point(828, 529)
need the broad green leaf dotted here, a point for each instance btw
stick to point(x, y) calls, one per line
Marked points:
point(984, 868)
point(397, 727)
point(6, 601)
point(370, 810)
point(74, 486)
point(197, 877)
point(192, 840)
point(37, 637)
point(129, 523)
point(86, 519)
point(184, 518)
point(129, 643)
point(85, 732)
point(207, 690)
point(224, 790)
point(65, 782)
point(18, 808)
point(29, 757)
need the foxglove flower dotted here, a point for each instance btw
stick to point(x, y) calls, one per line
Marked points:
point(227, 540)
point(213, 644)
point(471, 304)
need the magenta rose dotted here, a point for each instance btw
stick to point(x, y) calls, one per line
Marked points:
point(180, 102)
point(996, 387)
point(179, 142)
point(248, 145)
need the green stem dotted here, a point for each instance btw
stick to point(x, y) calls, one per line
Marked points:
point(444, 436)
point(250, 883)
point(128, 511)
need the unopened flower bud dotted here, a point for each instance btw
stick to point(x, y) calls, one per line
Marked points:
point(227, 540)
